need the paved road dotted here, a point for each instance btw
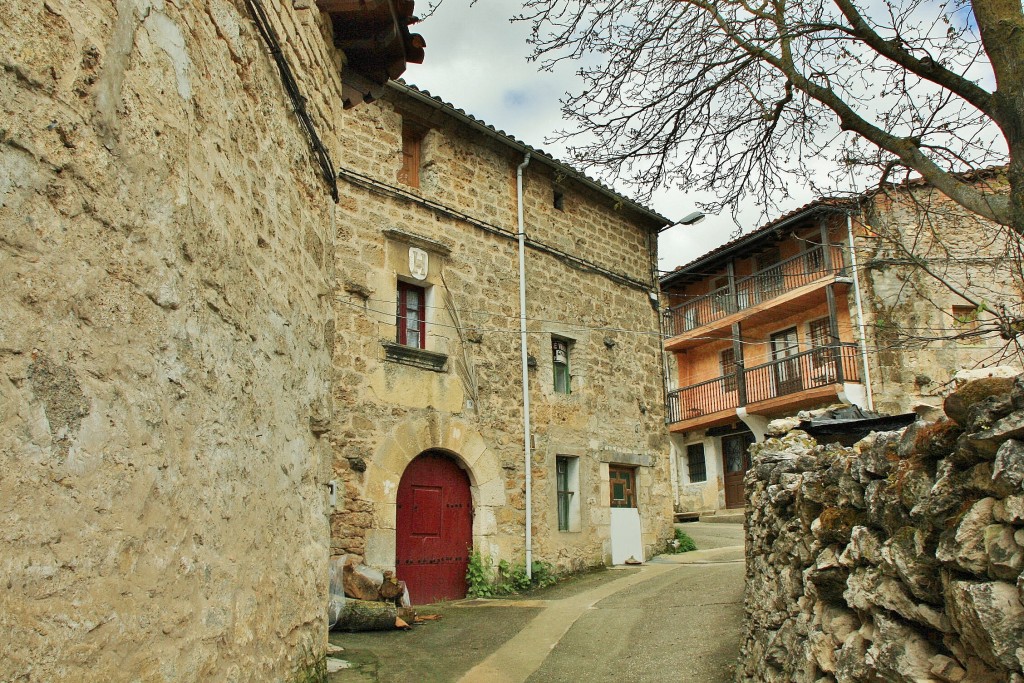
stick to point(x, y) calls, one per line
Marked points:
point(677, 618)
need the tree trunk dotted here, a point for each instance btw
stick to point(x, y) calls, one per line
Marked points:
point(363, 615)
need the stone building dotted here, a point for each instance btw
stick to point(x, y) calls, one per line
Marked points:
point(790, 317)
point(429, 365)
point(166, 241)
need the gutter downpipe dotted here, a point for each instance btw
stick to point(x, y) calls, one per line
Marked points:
point(860, 313)
point(524, 358)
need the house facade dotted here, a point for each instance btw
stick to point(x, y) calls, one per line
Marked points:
point(429, 445)
point(872, 301)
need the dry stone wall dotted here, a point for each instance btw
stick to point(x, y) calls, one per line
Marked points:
point(899, 559)
point(166, 258)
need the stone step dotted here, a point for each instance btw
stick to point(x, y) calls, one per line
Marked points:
point(724, 517)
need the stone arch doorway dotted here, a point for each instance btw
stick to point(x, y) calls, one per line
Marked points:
point(434, 528)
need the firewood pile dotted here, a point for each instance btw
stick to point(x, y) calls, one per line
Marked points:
point(365, 599)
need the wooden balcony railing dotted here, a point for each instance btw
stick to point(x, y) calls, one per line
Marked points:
point(703, 398)
point(755, 289)
point(802, 371)
point(818, 367)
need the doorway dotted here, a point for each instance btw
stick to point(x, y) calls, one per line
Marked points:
point(737, 462)
point(434, 528)
point(785, 347)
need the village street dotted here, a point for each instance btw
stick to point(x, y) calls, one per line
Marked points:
point(677, 618)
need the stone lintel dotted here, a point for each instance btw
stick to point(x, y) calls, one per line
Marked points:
point(638, 459)
point(417, 241)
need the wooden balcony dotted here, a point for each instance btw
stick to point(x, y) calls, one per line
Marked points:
point(788, 280)
point(792, 382)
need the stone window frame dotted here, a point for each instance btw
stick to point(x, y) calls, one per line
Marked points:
point(561, 373)
point(965, 319)
point(413, 135)
point(395, 351)
point(567, 489)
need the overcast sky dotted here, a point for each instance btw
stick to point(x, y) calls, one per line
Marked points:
point(477, 60)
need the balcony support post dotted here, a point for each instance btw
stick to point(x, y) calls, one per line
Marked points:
point(826, 249)
point(737, 353)
point(734, 299)
point(833, 329)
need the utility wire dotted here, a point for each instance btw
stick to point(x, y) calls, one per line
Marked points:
point(291, 88)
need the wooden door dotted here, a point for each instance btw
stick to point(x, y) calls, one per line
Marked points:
point(434, 531)
point(622, 482)
point(785, 347)
point(737, 462)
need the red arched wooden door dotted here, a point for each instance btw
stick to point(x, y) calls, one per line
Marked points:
point(434, 528)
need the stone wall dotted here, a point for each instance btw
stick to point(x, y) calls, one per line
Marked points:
point(899, 559)
point(463, 215)
point(165, 253)
point(908, 310)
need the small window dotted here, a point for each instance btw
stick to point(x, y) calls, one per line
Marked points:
point(559, 200)
point(411, 322)
point(622, 486)
point(560, 364)
point(965, 321)
point(695, 464)
point(727, 362)
point(567, 470)
point(412, 143)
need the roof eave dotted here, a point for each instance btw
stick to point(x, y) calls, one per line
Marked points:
point(761, 234)
point(522, 148)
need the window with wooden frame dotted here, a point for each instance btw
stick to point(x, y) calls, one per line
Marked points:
point(720, 290)
point(696, 465)
point(412, 147)
point(560, 365)
point(814, 258)
point(727, 363)
point(819, 332)
point(412, 319)
point(622, 486)
point(965, 322)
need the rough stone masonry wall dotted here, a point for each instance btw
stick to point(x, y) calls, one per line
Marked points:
point(165, 254)
point(393, 412)
point(898, 560)
point(968, 253)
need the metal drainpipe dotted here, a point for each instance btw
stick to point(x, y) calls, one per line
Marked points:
point(524, 359)
point(860, 312)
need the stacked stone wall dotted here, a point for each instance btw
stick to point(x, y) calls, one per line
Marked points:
point(166, 253)
point(899, 559)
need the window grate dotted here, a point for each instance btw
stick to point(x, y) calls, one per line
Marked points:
point(695, 463)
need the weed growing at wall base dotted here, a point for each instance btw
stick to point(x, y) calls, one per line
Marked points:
point(682, 543)
point(482, 581)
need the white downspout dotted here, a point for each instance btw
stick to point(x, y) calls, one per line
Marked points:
point(860, 312)
point(524, 360)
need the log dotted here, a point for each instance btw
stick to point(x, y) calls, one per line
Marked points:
point(366, 615)
point(361, 582)
point(391, 588)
